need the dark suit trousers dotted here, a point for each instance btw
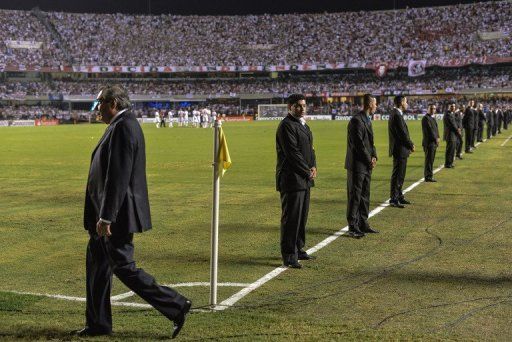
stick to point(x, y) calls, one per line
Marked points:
point(450, 152)
point(489, 131)
point(295, 208)
point(469, 139)
point(480, 134)
point(114, 255)
point(474, 137)
point(430, 155)
point(458, 143)
point(398, 178)
point(358, 195)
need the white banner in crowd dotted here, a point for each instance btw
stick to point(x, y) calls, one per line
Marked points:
point(23, 44)
point(417, 68)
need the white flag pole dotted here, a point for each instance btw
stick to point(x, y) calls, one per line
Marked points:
point(215, 217)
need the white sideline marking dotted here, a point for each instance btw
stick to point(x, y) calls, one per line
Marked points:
point(269, 276)
point(192, 284)
point(506, 141)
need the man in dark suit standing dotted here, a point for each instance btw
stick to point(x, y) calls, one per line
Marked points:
point(468, 122)
point(506, 117)
point(489, 117)
point(481, 122)
point(499, 114)
point(430, 141)
point(295, 174)
point(400, 147)
point(360, 160)
point(451, 134)
point(495, 118)
point(475, 126)
point(116, 207)
point(458, 121)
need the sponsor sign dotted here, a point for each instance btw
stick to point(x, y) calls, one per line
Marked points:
point(343, 117)
point(46, 122)
point(4, 123)
point(237, 118)
point(20, 123)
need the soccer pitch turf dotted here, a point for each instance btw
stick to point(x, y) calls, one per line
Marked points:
point(439, 269)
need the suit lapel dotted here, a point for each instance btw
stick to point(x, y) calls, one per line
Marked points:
point(367, 125)
point(103, 138)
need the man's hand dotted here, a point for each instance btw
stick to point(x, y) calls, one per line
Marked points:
point(103, 228)
point(374, 162)
point(413, 148)
point(438, 140)
point(312, 174)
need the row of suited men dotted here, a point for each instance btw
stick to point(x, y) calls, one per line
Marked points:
point(467, 123)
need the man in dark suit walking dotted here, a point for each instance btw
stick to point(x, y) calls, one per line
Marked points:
point(116, 207)
point(451, 134)
point(360, 160)
point(430, 142)
point(400, 147)
point(295, 174)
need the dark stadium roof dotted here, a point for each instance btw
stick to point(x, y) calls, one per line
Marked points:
point(217, 7)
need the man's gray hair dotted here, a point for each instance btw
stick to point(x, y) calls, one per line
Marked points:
point(117, 93)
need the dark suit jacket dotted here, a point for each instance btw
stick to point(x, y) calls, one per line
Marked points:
point(116, 186)
point(360, 145)
point(468, 121)
point(450, 127)
point(481, 117)
point(400, 144)
point(430, 130)
point(295, 155)
point(490, 118)
point(458, 119)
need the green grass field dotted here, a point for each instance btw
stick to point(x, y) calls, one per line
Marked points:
point(440, 269)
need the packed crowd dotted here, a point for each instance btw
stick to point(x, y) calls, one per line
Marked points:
point(24, 26)
point(434, 33)
point(447, 80)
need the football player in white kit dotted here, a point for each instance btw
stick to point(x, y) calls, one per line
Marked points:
point(185, 117)
point(170, 115)
point(213, 117)
point(180, 117)
point(157, 119)
point(196, 118)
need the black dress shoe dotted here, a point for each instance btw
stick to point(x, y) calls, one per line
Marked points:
point(369, 230)
point(449, 166)
point(292, 264)
point(355, 233)
point(179, 321)
point(404, 201)
point(396, 204)
point(459, 157)
point(89, 332)
point(469, 151)
point(431, 180)
point(305, 256)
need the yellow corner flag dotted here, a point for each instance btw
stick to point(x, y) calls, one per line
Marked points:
point(223, 160)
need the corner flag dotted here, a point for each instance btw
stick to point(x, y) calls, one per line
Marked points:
point(223, 159)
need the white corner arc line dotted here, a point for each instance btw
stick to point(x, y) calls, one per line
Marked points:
point(190, 284)
point(506, 141)
point(269, 276)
